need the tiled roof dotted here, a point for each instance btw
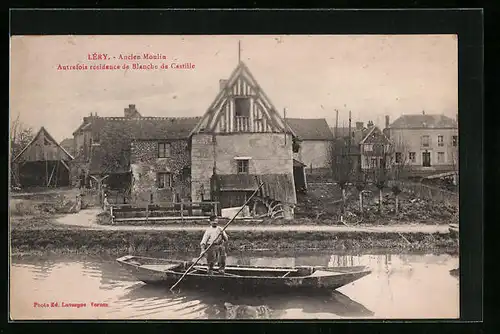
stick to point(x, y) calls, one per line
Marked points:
point(424, 121)
point(310, 128)
point(112, 155)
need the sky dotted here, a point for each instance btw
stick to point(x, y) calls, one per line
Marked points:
point(311, 76)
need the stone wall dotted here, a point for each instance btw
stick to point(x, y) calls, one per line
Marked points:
point(268, 153)
point(146, 165)
point(202, 163)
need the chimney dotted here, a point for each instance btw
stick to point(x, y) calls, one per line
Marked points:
point(222, 83)
point(386, 121)
point(369, 124)
point(131, 112)
point(359, 125)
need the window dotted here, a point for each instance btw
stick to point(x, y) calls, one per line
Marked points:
point(368, 148)
point(425, 141)
point(97, 137)
point(454, 140)
point(399, 157)
point(164, 180)
point(163, 150)
point(186, 174)
point(440, 141)
point(242, 166)
point(242, 107)
point(412, 156)
point(373, 162)
point(441, 157)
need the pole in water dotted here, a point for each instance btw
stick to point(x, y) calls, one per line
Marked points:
point(220, 233)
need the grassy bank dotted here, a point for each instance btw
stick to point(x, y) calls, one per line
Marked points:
point(119, 242)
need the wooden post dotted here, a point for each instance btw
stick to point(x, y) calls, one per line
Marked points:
point(51, 174)
point(111, 213)
point(216, 208)
point(182, 211)
point(147, 212)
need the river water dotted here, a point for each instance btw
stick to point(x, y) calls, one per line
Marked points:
point(400, 286)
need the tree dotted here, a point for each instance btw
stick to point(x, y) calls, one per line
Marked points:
point(378, 168)
point(400, 165)
point(20, 136)
point(360, 183)
point(341, 164)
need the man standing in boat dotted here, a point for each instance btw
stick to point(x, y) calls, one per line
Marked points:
point(216, 237)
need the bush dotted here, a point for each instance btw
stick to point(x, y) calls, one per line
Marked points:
point(21, 207)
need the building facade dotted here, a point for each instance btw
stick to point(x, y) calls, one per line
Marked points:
point(427, 143)
point(375, 150)
point(240, 140)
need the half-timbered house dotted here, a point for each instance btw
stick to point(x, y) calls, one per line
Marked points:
point(240, 141)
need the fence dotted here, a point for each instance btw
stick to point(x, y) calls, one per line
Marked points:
point(431, 193)
point(163, 211)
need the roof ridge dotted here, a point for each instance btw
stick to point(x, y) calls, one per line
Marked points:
point(120, 118)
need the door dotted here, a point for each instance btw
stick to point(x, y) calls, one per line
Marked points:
point(426, 159)
point(298, 176)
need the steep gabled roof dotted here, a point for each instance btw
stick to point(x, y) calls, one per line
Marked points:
point(419, 121)
point(242, 72)
point(310, 129)
point(375, 135)
point(48, 137)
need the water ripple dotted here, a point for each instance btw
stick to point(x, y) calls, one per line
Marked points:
point(402, 286)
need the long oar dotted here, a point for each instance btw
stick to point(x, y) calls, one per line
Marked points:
point(221, 231)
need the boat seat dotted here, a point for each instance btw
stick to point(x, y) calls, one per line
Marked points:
point(160, 267)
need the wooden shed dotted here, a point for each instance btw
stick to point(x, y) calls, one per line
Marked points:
point(43, 162)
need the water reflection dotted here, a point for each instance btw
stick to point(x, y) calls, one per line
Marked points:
point(400, 286)
point(212, 303)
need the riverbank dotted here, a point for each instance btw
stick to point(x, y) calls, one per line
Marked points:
point(62, 234)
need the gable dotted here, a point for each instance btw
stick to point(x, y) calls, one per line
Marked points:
point(241, 106)
point(43, 147)
point(375, 136)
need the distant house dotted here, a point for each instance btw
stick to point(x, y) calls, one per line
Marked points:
point(43, 162)
point(69, 145)
point(375, 149)
point(428, 142)
point(314, 144)
point(347, 143)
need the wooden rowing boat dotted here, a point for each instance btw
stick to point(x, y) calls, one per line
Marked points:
point(166, 271)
